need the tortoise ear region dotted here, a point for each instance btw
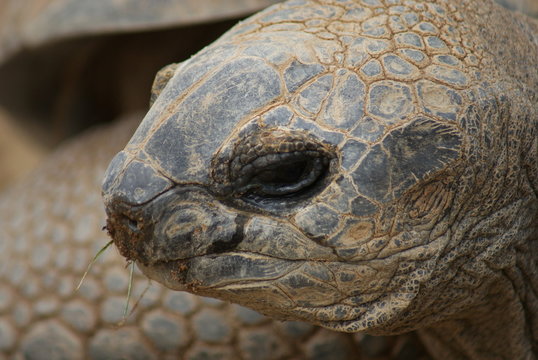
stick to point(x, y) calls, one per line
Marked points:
point(160, 81)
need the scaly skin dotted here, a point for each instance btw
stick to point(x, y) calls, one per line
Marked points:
point(51, 227)
point(361, 165)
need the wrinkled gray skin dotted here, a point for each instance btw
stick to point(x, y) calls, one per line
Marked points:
point(361, 165)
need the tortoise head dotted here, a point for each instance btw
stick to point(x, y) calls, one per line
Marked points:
point(335, 177)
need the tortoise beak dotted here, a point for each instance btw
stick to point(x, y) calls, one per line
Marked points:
point(128, 185)
point(152, 220)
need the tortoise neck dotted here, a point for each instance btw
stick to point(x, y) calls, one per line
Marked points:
point(504, 325)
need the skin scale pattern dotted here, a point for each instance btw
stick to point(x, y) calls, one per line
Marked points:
point(425, 214)
point(50, 229)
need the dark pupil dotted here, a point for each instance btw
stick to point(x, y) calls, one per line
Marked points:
point(283, 174)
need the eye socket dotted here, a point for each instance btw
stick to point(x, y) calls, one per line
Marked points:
point(273, 168)
point(282, 174)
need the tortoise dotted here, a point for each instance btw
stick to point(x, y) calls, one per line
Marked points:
point(50, 222)
point(49, 232)
point(360, 165)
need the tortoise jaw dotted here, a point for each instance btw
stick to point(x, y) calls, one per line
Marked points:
point(227, 269)
point(266, 292)
point(171, 274)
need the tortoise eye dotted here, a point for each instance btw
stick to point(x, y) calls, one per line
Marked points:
point(285, 174)
point(279, 164)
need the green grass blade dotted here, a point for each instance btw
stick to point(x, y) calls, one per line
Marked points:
point(92, 262)
point(131, 272)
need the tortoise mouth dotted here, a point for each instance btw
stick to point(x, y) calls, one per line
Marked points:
point(207, 272)
point(269, 291)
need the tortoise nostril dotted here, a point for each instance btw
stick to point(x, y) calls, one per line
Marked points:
point(130, 230)
point(132, 224)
